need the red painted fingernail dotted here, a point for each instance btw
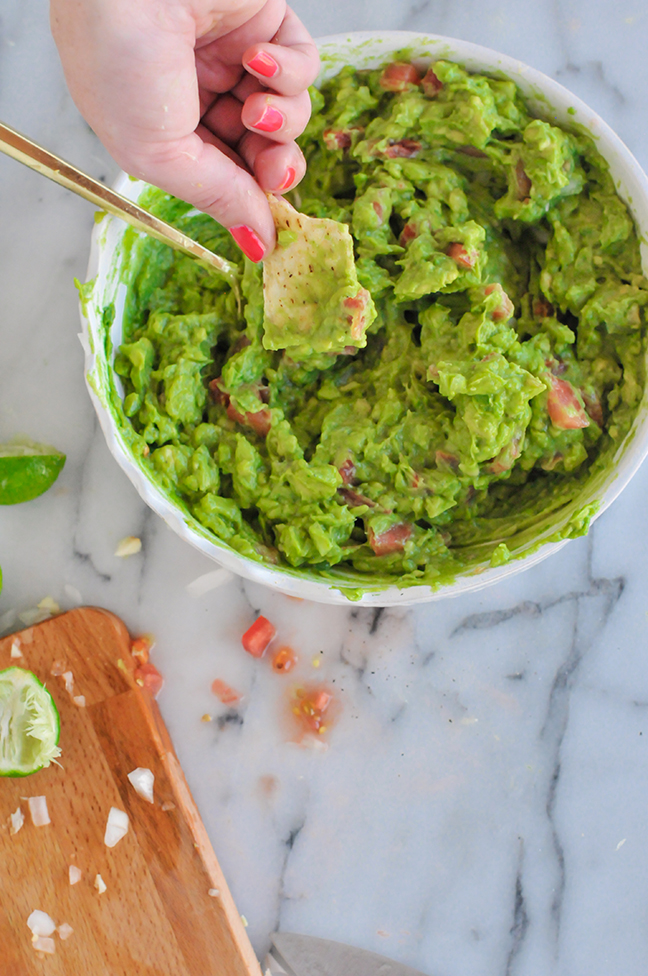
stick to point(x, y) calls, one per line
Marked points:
point(249, 242)
point(271, 119)
point(289, 179)
point(263, 64)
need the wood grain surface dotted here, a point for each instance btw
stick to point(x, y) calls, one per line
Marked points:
point(156, 917)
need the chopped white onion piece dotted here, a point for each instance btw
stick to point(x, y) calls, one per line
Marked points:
point(35, 615)
point(40, 923)
point(74, 874)
point(65, 931)
point(79, 701)
point(17, 820)
point(167, 805)
point(73, 593)
point(116, 828)
point(42, 944)
point(68, 678)
point(38, 810)
point(209, 581)
point(141, 779)
point(128, 546)
point(100, 884)
point(49, 604)
point(15, 649)
point(213, 892)
point(8, 619)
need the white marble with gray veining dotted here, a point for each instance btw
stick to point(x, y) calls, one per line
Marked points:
point(482, 806)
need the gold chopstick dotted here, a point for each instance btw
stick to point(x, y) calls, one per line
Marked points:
point(47, 164)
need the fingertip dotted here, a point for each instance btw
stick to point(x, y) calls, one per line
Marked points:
point(288, 70)
point(278, 168)
point(260, 62)
point(249, 242)
point(290, 178)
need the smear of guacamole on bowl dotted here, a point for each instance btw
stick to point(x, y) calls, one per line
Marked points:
point(502, 371)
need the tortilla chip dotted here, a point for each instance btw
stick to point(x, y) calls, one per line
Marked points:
point(313, 301)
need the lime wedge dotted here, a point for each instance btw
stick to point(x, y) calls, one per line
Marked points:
point(29, 724)
point(27, 470)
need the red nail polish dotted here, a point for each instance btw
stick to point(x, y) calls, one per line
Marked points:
point(263, 64)
point(249, 242)
point(271, 119)
point(289, 179)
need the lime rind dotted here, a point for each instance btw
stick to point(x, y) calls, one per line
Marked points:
point(27, 469)
point(25, 448)
point(29, 724)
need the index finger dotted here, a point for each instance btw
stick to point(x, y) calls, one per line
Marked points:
point(289, 63)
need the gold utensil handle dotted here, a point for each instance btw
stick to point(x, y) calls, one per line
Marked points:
point(31, 154)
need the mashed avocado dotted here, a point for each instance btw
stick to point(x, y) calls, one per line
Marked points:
point(502, 368)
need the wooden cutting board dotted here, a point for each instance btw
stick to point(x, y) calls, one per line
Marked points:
point(156, 916)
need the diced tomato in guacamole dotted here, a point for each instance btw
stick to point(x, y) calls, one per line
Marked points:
point(564, 405)
point(392, 540)
point(398, 76)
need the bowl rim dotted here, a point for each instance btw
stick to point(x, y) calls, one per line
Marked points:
point(547, 96)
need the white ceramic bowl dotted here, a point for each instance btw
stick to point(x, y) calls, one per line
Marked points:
point(366, 50)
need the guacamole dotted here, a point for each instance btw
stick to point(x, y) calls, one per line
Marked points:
point(499, 369)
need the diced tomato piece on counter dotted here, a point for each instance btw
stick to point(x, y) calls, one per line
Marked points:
point(226, 694)
point(392, 540)
point(284, 660)
point(148, 677)
point(310, 706)
point(320, 700)
point(140, 648)
point(256, 638)
point(564, 406)
point(398, 76)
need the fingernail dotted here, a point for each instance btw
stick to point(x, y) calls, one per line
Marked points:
point(270, 120)
point(249, 242)
point(263, 64)
point(289, 179)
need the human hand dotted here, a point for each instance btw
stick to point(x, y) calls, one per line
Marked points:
point(176, 91)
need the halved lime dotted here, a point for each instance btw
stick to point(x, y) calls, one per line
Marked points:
point(29, 724)
point(27, 469)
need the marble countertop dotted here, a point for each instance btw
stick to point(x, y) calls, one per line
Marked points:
point(481, 807)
